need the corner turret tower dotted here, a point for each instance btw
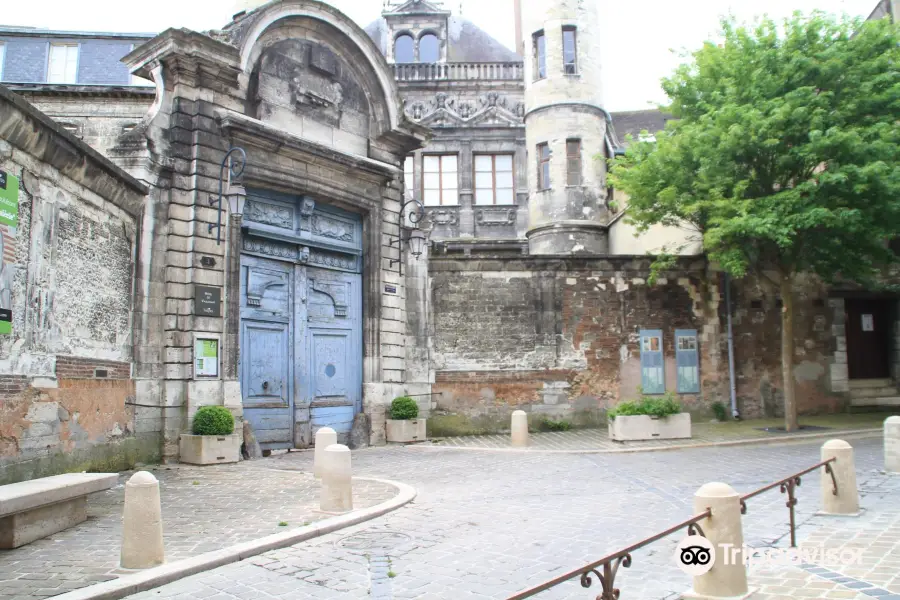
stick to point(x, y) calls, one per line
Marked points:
point(565, 127)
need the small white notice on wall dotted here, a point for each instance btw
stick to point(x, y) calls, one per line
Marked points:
point(868, 323)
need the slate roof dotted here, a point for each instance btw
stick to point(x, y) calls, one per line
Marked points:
point(633, 122)
point(468, 42)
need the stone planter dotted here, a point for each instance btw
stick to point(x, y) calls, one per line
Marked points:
point(209, 449)
point(412, 430)
point(644, 427)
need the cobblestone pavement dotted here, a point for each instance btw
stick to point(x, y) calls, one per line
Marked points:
point(594, 440)
point(488, 524)
point(203, 509)
point(875, 573)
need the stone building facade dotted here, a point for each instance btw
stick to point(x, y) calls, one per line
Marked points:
point(532, 291)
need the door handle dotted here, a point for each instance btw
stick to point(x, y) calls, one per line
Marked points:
point(265, 385)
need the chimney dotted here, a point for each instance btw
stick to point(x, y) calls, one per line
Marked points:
point(520, 44)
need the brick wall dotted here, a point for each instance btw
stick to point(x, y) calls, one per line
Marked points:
point(555, 337)
point(73, 367)
point(560, 338)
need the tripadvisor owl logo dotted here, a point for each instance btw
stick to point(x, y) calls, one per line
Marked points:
point(695, 555)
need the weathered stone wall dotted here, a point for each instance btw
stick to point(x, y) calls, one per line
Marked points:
point(560, 338)
point(98, 120)
point(65, 371)
point(756, 318)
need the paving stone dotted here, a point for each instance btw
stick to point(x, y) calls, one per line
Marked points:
point(204, 509)
point(489, 524)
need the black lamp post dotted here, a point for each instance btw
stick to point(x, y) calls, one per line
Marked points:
point(236, 193)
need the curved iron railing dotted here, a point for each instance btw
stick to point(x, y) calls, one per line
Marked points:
point(610, 564)
point(606, 569)
point(787, 486)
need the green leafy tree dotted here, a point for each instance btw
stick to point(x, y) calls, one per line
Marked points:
point(784, 155)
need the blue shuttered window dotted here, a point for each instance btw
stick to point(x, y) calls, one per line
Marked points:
point(687, 360)
point(653, 377)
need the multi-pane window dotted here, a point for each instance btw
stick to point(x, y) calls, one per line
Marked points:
point(540, 55)
point(408, 175)
point(543, 156)
point(429, 48)
point(63, 66)
point(440, 179)
point(404, 49)
point(573, 162)
point(570, 51)
point(494, 179)
point(2, 56)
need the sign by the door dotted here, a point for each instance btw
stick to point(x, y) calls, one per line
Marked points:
point(207, 301)
point(868, 323)
point(9, 221)
point(206, 357)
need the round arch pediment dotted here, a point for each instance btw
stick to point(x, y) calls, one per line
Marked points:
point(329, 38)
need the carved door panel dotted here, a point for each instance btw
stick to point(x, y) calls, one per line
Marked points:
point(332, 372)
point(267, 357)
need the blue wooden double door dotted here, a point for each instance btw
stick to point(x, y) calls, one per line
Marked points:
point(301, 342)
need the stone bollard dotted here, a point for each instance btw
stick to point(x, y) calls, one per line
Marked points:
point(519, 429)
point(728, 576)
point(846, 501)
point(892, 445)
point(142, 536)
point(337, 486)
point(325, 437)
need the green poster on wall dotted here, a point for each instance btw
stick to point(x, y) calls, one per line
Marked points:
point(9, 220)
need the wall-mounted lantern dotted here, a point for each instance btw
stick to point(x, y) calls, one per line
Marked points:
point(235, 160)
point(415, 238)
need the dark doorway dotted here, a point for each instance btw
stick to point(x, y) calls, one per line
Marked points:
point(869, 324)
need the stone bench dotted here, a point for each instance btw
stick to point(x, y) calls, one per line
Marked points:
point(31, 510)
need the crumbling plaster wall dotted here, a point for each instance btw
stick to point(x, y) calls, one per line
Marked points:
point(65, 371)
point(560, 338)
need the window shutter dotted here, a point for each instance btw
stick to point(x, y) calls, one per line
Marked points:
point(653, 376)
point(687, 361)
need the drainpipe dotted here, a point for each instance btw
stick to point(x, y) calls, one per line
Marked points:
point(731, 379)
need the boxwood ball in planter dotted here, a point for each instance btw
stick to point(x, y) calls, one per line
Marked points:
point(404, 424)
point(213, 420)
point(213, 440)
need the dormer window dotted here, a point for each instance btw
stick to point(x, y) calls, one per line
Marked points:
point(404, 49)
point(429, 48)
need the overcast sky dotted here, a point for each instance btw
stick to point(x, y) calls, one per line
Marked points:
point(639, 34)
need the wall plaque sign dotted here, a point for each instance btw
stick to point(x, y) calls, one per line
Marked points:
point(207, 301)
point(206, 357)
point(390, 289)
point(9, 221)
point(868, 323)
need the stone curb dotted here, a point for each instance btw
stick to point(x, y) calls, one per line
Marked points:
point(803, 437)
point(157, 576)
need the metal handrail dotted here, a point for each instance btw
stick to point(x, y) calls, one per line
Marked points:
point(612, 562)
point(788, 485)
